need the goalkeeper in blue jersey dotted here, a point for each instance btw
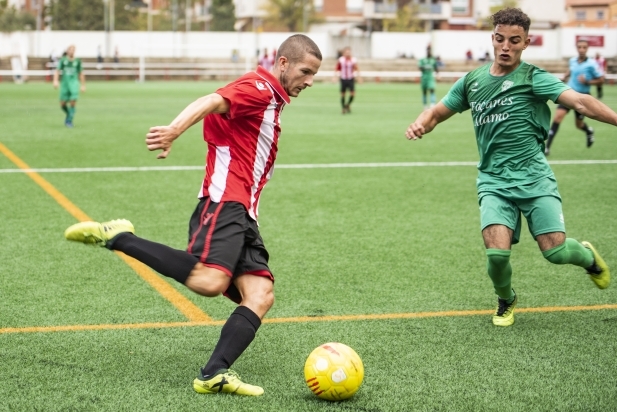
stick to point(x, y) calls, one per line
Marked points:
point(582, 73)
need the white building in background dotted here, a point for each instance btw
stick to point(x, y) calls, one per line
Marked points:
point(347, 15)
point(473, 14)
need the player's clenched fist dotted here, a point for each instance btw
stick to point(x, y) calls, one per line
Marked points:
point(161, 138)
point(415, 131)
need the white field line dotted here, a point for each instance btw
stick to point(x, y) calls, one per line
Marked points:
point(284, 166)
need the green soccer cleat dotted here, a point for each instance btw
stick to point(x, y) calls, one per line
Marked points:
point(598, 272)
point(504, 314)
point(95, 233)
point(226, 381)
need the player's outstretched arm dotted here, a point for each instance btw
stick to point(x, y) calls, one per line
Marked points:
point(566, 76)
point(56, 78)
point(427, 121)
point(588, 106)
point(162, 137)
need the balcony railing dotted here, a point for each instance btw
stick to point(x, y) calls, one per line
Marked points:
point(430, 8)
point(385, 8)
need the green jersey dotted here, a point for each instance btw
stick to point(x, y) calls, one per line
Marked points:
point(70, 71)
point(427, 66)
point(511, 121)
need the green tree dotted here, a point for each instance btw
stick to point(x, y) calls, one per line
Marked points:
point(487, 22)
point(90, 15)
point(77, 15)
point(12, 19)
point(504, 4)
point(223, 15)
point(291, 14)
point(128, 17)
point(406, 20)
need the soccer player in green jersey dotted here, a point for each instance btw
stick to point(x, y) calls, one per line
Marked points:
point(73, 81)
point(508, 106)
point(428, 67)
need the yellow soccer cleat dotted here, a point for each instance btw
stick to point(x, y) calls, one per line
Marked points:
point(226, 381)
point(95, 233)
point(504, 314)
point(598, 272)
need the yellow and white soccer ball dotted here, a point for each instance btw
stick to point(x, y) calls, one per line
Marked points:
point(334, 371)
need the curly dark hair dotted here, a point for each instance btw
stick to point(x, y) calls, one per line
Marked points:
point(511, 17)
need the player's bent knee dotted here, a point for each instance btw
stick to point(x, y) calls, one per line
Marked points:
point(557, 255)
point(208, 282)
point(498, 258)
point(260, 301)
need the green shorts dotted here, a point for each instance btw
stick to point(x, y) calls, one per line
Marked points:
point(427, 83)
point(543, 210)
point(69, 93)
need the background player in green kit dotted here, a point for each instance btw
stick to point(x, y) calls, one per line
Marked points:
point(428, 67)
point(511, 119)
point(73, 81)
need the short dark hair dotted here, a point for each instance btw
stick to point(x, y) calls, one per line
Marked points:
point(296, 47)
point(511, 17)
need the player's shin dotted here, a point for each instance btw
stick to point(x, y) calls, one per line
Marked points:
point(70, 114)
point(500, 272)
point(236, 335)
point(570, 252)
point(173, 263)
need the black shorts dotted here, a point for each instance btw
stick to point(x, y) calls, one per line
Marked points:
point(223, 236)
point(567, 109)
point(348, 84)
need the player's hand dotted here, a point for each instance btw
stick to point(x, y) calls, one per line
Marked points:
point(83, 88)
point(415, 131)
point(161, 138)
point(56, 85)
point(582, 79)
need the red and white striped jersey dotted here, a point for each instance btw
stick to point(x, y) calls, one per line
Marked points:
point(347, 67)
point(242, 143)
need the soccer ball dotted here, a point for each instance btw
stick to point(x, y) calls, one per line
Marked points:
point(334, 371)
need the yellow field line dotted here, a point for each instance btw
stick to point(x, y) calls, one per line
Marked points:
point(304, 319)
point(188, 309)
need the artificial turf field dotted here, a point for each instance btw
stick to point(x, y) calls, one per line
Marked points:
point(388, 260)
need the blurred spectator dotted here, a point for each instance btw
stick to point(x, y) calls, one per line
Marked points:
point(602, 66)
point(99, 58)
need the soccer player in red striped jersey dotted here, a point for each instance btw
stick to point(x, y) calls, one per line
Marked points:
point(347, 70)
point(225, 253)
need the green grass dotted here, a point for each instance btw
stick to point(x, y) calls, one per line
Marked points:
point(343, 241)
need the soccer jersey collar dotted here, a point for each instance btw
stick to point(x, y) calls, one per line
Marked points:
point(267, 76)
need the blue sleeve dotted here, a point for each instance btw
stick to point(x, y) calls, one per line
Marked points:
point(546, 86)
point(456, 100)
point(596, 72)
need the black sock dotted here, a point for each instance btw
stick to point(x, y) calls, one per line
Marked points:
point(350, 99)
point(236, 335)
point(343, 102)
point(552, 133)
point(585, 128)
point(173, 263)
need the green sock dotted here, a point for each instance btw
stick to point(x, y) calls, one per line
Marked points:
point(65, 109)
point(500, 272)
point(570, 251)
point(71, 114)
